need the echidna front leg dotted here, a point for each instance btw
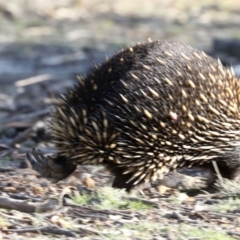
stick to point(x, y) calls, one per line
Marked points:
point(120, 181)
point(56, 168)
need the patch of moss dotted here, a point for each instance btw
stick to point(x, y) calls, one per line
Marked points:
point(110, 198)
point(202, 233)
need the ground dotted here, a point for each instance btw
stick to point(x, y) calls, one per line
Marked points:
point(42, 45)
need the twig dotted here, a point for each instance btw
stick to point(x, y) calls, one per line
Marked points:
point(33, 80)
point(46, 150)
point(28, 207)
point(6, 170)
point(122, 212)
point(45, 229)
point(217, 172)
point(24, 197)
point(144, 201)
point(28, 116)
point(18, 124)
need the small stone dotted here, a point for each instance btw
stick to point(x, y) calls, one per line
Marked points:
point(89, 182)
point(73, 181)
point(37, 190)
point(44, 184)
point(163, 189)
point(10, 189)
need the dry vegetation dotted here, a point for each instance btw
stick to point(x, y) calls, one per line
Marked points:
point(42, 45)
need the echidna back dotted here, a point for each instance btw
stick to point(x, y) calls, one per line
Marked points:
point(151, 108)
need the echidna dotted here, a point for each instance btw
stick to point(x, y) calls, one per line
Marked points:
point(150, 109)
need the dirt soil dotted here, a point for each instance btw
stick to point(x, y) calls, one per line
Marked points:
point(42, 45)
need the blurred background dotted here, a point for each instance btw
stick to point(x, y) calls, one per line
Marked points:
point(44, 43)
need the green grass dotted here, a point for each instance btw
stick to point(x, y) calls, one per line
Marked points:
point(3, 222)
point(228, 188)
point(145, 229)
point(81, 199)
point(226, 206)
point(202, 233)
point(138, 205)
point(110, 198)
point(141, 230)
